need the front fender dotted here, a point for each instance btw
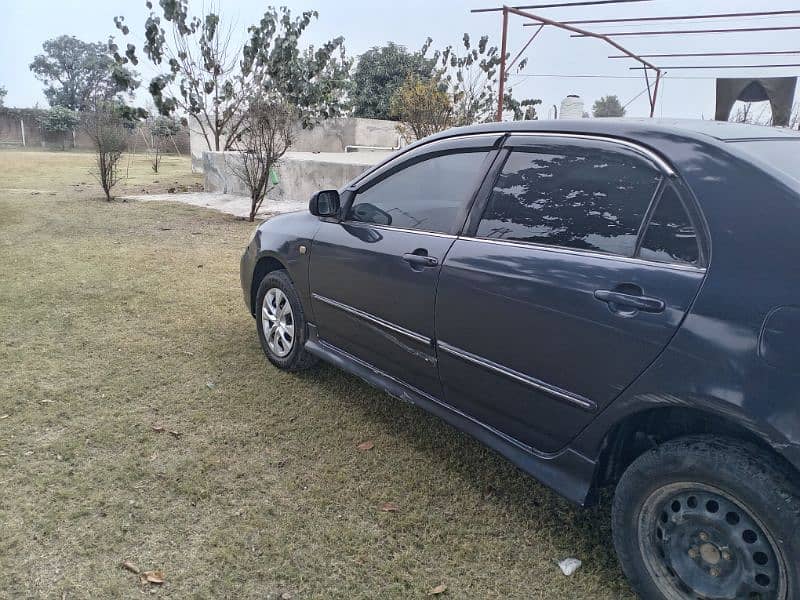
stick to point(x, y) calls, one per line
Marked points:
point(283, 242)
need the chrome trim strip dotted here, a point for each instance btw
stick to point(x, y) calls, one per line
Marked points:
point(551, 390)
point(390, 228)
point(511, 440)
point(375, 320)
point(560, 250)
point(660, 162)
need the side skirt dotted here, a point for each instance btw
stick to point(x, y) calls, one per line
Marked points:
point(566, 472)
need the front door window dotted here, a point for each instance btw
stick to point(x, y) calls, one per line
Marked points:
point(429, 195)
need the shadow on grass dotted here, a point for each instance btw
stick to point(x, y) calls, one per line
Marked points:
point(487, 473)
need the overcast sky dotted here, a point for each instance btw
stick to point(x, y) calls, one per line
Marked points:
point(553, 56)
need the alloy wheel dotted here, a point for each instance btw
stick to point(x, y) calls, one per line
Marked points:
point(278, 322)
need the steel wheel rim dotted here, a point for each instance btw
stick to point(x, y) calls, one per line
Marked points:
point(277, 321)
point(698, 542)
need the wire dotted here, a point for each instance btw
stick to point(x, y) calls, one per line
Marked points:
point(636, 97)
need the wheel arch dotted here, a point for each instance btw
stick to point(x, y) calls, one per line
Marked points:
point(265, 265)
point(638, 432)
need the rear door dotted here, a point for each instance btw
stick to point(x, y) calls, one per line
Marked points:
point(560, 293)
point(374, 274)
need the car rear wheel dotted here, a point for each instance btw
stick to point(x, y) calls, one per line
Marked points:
point(281, 323)
point(702, 518)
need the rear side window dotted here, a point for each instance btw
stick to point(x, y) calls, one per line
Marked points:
point(429, 195)
point(587, 198)
point(670, 236)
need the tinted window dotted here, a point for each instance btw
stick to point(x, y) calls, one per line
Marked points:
point(670, 236)
point(576, 197)
point(428, 195)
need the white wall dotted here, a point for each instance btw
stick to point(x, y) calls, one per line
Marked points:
point(332, 135)
point(301, 174)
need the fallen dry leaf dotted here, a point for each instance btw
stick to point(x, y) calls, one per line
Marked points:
point(4, 416)
point(368, 445)
point(158, 428)
point(286, 596)
point(129, 566)
point(154, 576)
point(439, 589)
point(175, 433)
point(390, 507)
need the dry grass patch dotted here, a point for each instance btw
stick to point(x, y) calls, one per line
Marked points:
point(122, 322)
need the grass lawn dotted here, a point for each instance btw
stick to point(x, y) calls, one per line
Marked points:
point(121, 322)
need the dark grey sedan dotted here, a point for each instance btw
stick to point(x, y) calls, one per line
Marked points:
point(603, 302)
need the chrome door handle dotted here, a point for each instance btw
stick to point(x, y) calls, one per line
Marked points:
point(642, 303)
point(420, 260)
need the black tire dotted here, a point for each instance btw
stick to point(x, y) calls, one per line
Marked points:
point(297, 359)
point(697, 517)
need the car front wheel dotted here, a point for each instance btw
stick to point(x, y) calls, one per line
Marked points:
point(281, 323)
point(706, 517)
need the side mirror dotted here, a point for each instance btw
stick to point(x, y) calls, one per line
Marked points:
point(325, 204)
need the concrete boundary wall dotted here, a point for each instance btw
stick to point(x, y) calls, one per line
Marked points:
point(301, 174)
point(20, 128)
point(331, 135)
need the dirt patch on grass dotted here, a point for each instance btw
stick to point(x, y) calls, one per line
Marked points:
point(122, 322)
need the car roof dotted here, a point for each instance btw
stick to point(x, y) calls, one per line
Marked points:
point(635, 128)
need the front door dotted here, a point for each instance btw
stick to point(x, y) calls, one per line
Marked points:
point(559, 297)
point(374, 274)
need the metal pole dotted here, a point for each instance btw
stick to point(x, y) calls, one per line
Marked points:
point(22, 129)
point(502, 86)
point(775, 66)
point(691, 31)
point(525, 47)
point(654, 99)
point(560, 5)
point(771, 13)
point(703, 54)
point(582, 32)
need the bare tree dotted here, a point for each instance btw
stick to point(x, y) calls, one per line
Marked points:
point(160, 130)
point(746, 113)
point(267, 131)
point(108, 130)
point(743, 113)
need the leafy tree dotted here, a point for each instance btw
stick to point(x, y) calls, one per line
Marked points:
point(76, 74)
point(61, 121)
point(109, 124)
point(3, 93)
point(608, 106)
point(161, 129)
point(379, 73)
point(423, 107)
point(267, 131)
point(471, 74)
point(207, 78)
